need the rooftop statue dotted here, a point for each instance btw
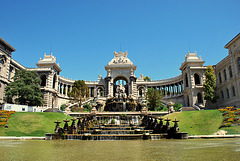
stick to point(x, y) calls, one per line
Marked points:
point(120, 58)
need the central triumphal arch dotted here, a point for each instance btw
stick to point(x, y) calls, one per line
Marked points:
point(121, 71)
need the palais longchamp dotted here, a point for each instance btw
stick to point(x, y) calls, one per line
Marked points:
point(186, 88)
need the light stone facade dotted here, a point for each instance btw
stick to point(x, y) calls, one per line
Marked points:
point(187, 88)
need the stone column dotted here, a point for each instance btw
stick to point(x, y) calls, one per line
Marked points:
point(66, 90)
point(165, 91)
point(108, 86)
point(58, 88)
point(131, 92)
point(62, 88)
point(182, 87)
point(56, 83)
point(174, 89)
point(169, 90)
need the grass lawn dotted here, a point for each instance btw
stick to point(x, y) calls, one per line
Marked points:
point(204, 122)
point(32, 123)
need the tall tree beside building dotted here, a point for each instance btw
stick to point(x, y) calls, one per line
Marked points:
point(25, 89)
point(80, 92)
point(154, 98)
point(210, 85)
point(147, 78)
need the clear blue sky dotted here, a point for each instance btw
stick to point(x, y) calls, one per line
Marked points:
point(83, 34)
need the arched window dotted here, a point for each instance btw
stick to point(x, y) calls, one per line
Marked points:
point(196, 78)
point(100, 92)
point(228, 96)
point(222, 94)
point(199, 98)
point(225, 74)
point(233, 91)
point(230, 71)
point(186, 80)
point(220, 77)
point(54, 81)
point(43, 79)
point(238, 63)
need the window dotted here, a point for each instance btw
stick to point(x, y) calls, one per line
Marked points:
point(43, 79)
point(228, 93)
point(222, 94)
point(23, 109)
point(233, 91)
point(186, 79)
point(220, 77)
point(10, 72)
point(225, 74)
point(238, 64)
point(54, 81)
point(199, 98)
point(196, 78)
point(230, 71)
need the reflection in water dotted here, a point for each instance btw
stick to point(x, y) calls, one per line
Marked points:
point(210, 149)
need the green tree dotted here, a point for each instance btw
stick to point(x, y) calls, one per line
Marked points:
point(210, 85)
point(154, 98)
point(147, 79)
point(25, 89)
point(80, 92)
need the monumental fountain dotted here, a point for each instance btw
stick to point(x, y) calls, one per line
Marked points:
point(118, 125)
point(121, 102)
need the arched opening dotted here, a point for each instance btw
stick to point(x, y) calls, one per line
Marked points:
point(188, 101)
point(54, 81)
point(120, 84)
point(199, 98)
point(43, 79)
point(196, 79)
point(100, 92)
point(141, 92)
point(186, 80)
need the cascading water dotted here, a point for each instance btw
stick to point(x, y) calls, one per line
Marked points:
point(117, 120)
point(119, 127)
point(135, 120)
point(124, 106)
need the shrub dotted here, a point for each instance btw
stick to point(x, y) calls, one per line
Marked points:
point(113, 121)
point(87, 107)
point(165, 108)
point(63, 106)
point(177, 106)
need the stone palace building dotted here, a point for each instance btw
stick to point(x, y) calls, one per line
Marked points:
point(186, 88)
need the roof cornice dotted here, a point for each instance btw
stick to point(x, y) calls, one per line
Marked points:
point(7, 44)
point(232, 41)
